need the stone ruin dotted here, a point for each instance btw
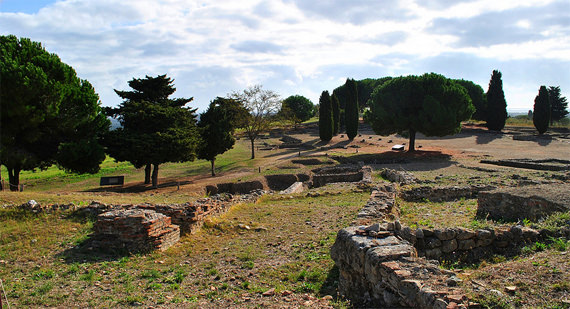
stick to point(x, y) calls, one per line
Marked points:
point(341, 173)
point(528, 202)
point(135, 230)
point(544, 165)
point(389, 265)
point(149, 227)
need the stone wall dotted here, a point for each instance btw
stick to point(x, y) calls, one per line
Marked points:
point(342, 173)
point(401, 177)
point(134, 230)
point(280, 182)
point(466, 244)
point(378, 269)
point(380, 205)
point(529, 202)
point(234, 187)
point(441, 194)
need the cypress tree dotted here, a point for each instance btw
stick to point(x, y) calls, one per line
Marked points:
point(335, 114)
point(558, 104)
point(496, 103)
point(351, 111)
point(541, 114)
point(325, 117)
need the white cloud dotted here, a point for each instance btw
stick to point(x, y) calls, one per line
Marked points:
point(302, 47)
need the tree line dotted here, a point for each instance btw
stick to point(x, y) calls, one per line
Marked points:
point(431, 104)
point(50, 116)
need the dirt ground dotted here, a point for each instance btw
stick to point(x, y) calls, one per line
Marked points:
point(470, 146)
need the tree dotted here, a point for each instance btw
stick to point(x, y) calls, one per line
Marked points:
point(49, 116)
point(541, 114)
point(297, 109)
point(335, 114)
point(217, 126)
point(325, 117)
point(478, 98)
point(351, 109)
point(430, 104)
point(496, 104)
point(558, 104)
point(155, 129)
point(260, 105)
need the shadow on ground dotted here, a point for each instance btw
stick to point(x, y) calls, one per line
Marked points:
point(139, 187)
point(84, 251)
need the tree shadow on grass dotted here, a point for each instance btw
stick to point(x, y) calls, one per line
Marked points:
point(139, 187)
point(84, 250)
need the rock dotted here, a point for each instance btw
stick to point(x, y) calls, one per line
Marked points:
point(445, 234)
point(453, 281)
point(463, 234)
point(432, 242)
point(286, 293)
point(449, 246)
point(467, 244)
point(269, 292)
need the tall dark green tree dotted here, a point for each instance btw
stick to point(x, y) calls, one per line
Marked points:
point(325, 117)
point(478, 98)
point(496, 103)
point(541, 113)
point(558, 104)
point(297, 109)
point(430, 104)
point(154, 128)
point(335, 114)
point(217, 125)
point(351, 109)
point(48, 115)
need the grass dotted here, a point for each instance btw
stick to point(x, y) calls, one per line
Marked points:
point(215, 265)
point(428, 214)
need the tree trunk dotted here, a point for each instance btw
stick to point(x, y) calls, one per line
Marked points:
point(412, 146)
point(155, 176)
point(147, 169)
point(13, 178)
point(213, 170)
point(252, 148)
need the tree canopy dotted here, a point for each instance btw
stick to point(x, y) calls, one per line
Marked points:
point(155, 129)
point(558, 104)
point(217, 125)
point(496, 103)
point(297, 109)
point(541, 113)
point(325, 117)
point(430, 104)
point(478, 98)
point(49, 115)
point(260, 105)
point(351, 109)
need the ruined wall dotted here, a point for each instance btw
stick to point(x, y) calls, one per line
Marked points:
point(342, 173)
point(529, 202)
point(234, 187)
point(440, 194)
point(379, 270)
point(134, 230)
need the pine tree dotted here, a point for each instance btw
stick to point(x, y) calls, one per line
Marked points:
point(325, 117)
point(496, 103)
point(351, 110)
point(558, 104)
point(335, 114)
point(541, 114)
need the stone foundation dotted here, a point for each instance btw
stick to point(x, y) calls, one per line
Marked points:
point(342, 173)
point(134, 230)
point(401, 177)
point(529, 202)
point(441, 194)
point(383, 271)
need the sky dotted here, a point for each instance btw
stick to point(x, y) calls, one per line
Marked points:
point(213, 48)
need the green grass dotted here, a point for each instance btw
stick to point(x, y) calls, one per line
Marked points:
point(213, 265)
